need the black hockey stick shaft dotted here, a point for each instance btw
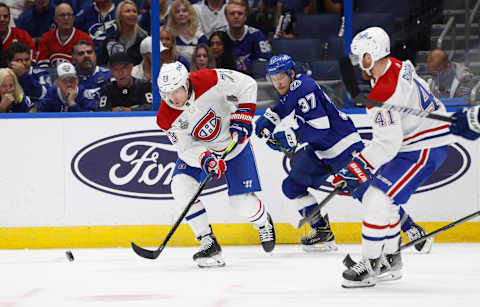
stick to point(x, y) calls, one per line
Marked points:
point(348, 78)
point(349, 262)
point(149, 254)
point(319, 207)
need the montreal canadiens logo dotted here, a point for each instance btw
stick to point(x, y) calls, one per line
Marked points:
point(136, 164)
point(453, 168)
point(208, 128)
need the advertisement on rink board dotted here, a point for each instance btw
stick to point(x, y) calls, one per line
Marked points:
point(116, 171)
point(130, 172)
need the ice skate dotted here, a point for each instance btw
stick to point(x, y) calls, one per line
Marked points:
point(267, 235)
point(390, 267)
point(415, 232)
point(320, 239)
point(362, 274)
point(210, 253)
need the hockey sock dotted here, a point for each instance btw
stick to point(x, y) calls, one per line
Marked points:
point(405, 220)
point(317, 220)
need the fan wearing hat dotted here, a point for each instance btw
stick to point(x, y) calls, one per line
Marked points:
point(144, 69)
point(67, 95)
point(125, 93)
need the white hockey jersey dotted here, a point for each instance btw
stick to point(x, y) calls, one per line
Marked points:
point(204, 124)
point(395, 132)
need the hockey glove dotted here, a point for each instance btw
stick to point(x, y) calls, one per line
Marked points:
point(265, 125)
point(284, 139)
point(241, 122)
point(356, 172)
point(468, 123)
point(210, 163)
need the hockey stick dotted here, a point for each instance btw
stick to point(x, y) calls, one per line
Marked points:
point(287, 153)
point(348, 78)
point(349, 262)
point(319, 207)
point(149, 254)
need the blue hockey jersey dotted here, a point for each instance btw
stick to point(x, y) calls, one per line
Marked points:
point(328, 130)
point(55, 102)
point(90, 20)
point(252, 46)
point(93, 83)
point(23, 105)
point(35, 83)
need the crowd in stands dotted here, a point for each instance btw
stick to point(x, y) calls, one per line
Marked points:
point(96, 55)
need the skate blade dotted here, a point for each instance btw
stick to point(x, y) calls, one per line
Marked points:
point(210, 262)
point(320, 247)
point(426, 248)
point(349, 284)
point(389, 276)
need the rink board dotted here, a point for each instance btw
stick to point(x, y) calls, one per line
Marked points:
point(101, 181)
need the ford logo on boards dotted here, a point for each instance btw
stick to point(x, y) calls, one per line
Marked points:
point(455, 166)
point(136, 164)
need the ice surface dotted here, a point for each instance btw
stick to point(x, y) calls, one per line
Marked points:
point(449, 276)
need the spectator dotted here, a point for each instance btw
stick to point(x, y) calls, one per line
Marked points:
point(66, 95)
point(267, 18)
point(145, 18)
point(126, 93)
point(90, 76)
point(222, 50)
point(202, 58)
point(55, 46)
point(34, 81)
point(16, 7)
point(450, 79)
point(8, 34)
point(76, 5)
point(183, 22)
point(38, 19)
point(169, 55)
point(143, 71)
point(97, 19)
point(211, 15)
point(249, 44)
point(126, 38)
point(12, 98)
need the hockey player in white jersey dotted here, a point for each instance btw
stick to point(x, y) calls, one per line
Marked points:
point(404, 152)
point(201, 113)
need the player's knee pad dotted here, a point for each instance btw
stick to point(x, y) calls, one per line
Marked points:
point(379, 207)
point(292, 189)
point(248, 205)
point(183, 188)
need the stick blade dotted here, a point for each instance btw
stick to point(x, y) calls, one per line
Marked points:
point(145, 253)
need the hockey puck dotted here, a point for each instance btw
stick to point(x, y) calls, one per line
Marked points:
point(69, 255)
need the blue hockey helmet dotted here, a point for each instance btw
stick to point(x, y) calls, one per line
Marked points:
point(280, 63)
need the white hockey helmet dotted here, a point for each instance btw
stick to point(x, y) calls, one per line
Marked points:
point(374, 41)
point(172, 76)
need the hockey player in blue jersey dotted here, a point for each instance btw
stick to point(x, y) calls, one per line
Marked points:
point(332, 139)
point(331, 136)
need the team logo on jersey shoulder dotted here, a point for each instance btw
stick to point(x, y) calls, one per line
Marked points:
point(295, 84)
point(208, 127)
